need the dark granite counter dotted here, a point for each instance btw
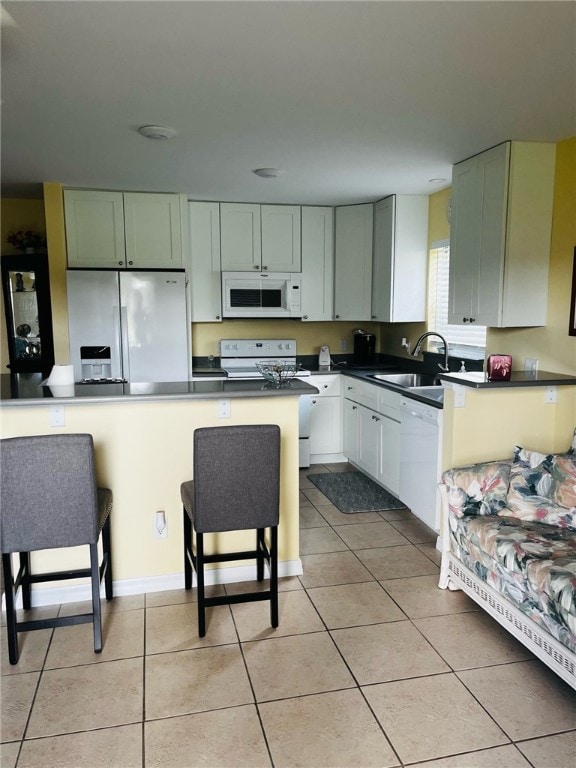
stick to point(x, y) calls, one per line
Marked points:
point(479, 379)
point(26, 389)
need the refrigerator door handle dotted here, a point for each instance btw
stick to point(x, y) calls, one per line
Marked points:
point(117, 367)
point(124, 343)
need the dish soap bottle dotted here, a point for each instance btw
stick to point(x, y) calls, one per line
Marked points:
point(462, 367)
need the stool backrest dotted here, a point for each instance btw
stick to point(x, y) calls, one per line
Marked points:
point(236, 477)
point(48, 495)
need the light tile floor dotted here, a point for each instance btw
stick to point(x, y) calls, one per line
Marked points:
point(372, 666)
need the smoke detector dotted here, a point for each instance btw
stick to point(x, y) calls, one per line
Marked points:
point(268, 173)
point(157, 132)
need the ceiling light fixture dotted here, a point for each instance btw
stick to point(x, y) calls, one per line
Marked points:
point(157, 132)
point(268, 173)
point(436, 181)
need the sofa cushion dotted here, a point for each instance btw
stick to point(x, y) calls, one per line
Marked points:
point(533, 564)
point(478, 489)
point(542, 488)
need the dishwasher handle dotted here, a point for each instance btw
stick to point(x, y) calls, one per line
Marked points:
point(414, 409)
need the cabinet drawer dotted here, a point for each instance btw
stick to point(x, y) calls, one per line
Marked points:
point(351, 388)
point(328, 385)
point(369, 395)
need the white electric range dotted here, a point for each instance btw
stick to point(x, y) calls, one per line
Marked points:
point(238, 357)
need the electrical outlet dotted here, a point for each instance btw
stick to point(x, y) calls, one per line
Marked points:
point(551, 395)
point(223, 409)
point(160, 525)
point(57, 416)
point(343, 345)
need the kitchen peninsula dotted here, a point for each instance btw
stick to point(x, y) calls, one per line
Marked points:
point(143, 437)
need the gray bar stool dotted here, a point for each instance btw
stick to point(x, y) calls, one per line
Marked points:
point(49, 499)
point(236, 487)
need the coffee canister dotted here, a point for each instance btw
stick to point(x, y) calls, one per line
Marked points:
point(499, 367)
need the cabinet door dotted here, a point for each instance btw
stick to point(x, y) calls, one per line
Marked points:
point(317, 263)
point(325, 425)
point(353, 262)
point(492, 205)
point(204, 272)
point(464, 241)
point(94, 229)
point(240, 237)
point(350, 431)
point(281, 244)
point(368, 440)
point(400, 259)
point(389, 452)
point(153, 231)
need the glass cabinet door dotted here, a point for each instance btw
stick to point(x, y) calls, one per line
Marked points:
point(26, 287)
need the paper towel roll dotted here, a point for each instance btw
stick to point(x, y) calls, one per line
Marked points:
point(61, 375)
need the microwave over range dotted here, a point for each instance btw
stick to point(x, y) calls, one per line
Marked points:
point(267, 294)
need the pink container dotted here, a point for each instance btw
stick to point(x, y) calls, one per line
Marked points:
point(499, 367)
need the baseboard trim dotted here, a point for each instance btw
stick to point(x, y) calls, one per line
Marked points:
point(327, 458)
point(79, 592)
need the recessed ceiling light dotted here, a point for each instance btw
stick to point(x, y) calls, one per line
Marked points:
point(268, 173)
point(157, 132)
point(436, 181)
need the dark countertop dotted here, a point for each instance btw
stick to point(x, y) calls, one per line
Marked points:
point(479, 380)
point(26, 389)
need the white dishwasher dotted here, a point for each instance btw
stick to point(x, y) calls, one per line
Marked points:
point(420, 435)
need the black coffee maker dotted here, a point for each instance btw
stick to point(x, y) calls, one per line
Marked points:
point(364, 347)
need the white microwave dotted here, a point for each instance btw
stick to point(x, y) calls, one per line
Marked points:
point(267, 294)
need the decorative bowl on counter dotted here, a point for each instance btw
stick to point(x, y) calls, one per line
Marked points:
point(277, 372)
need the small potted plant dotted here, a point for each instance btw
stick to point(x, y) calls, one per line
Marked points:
point(27, 241)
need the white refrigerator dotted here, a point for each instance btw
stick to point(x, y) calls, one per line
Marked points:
point(139, 316)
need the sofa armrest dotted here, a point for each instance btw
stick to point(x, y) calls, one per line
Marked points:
point(477, 489)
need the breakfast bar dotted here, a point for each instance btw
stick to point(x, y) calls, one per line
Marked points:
point(143, 438)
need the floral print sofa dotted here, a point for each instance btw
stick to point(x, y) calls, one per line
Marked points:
point(509, 541)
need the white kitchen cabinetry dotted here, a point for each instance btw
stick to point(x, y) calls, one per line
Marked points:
point(353, 262)
point(204, 272)
point(281, 238)
point(240, 237)
point(372, 431)
point(326, 419)
point(116, 230)
point(501, 223)
point(260, 237)
point(399, 270)
point(317, 263)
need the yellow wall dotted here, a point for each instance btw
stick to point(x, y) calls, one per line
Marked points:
point(144, 453)
point(56, 237)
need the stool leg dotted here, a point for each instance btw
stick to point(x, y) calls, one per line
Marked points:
point(96, 607)
point(274, 576)
point(200, 584)
point(26, 588)
point(187, 549)
point(260, 549)
point(10, 597)
point(107, 552)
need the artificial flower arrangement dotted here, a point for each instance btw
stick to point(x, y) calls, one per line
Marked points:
point(22, 240)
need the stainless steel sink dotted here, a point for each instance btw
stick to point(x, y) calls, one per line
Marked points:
point(432, 393)
point(408, 380)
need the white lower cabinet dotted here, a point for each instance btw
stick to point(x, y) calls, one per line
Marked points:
point(372, 431)
point(326, 419)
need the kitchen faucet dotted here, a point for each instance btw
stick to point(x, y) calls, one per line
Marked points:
point(418, 347)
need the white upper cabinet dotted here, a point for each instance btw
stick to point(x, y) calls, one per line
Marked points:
point(116, 230)
point(353, 262)
point(94, 229)
point(152, 226)
point(260, 237)
point(500, 236)
point(280, 238)
point(240, 237)
point(317, 263)
point(399, 271)
point(204, 272)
